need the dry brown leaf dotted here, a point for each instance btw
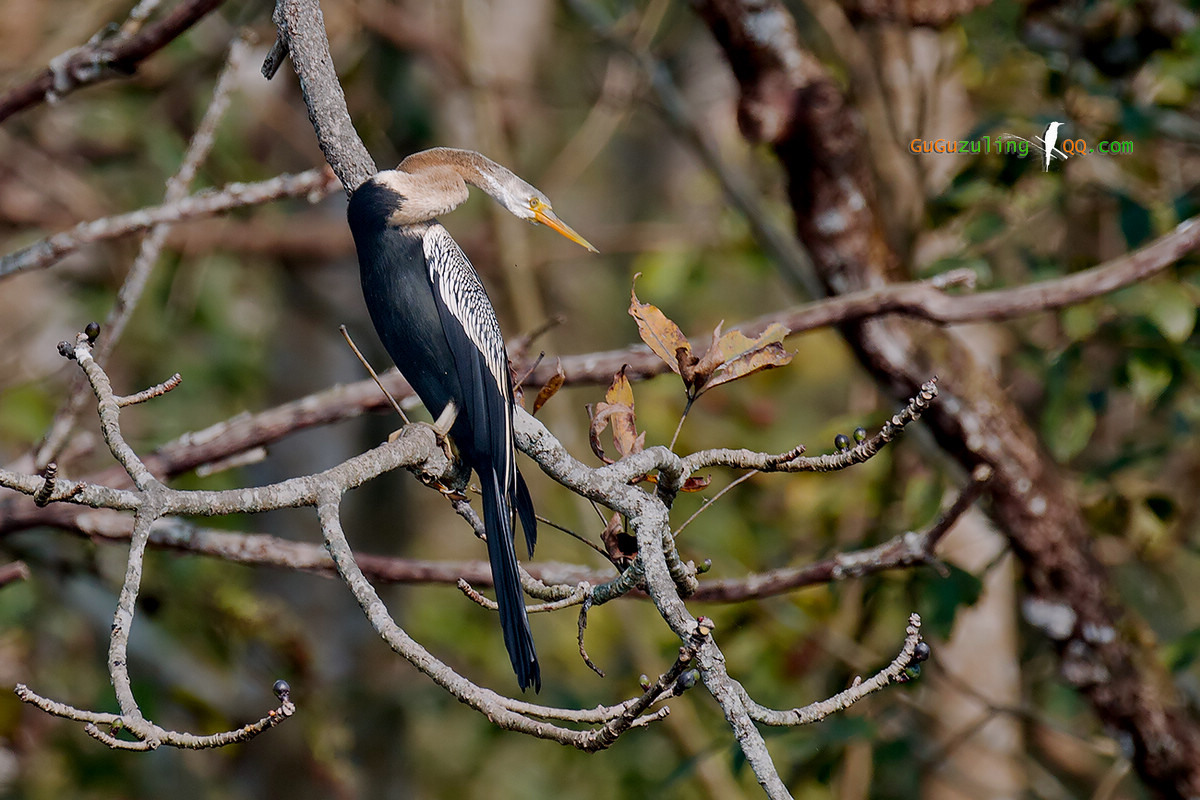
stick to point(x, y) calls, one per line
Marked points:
point(620, 391)
point(551, 388)
point(734, 355)
point(730, 355)
point(661, 335)
point(600, 416)
point(620, 546)
point(616, 410)
point(624, 420)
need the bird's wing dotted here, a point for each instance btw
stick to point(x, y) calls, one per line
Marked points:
point(471, 329)
point(473, 332)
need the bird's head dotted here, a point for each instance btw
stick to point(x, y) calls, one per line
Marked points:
point(443, 173)
point(526, 202)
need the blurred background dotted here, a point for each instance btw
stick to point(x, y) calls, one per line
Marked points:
point(247, 306)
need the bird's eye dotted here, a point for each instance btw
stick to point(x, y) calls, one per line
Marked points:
point(535, 204)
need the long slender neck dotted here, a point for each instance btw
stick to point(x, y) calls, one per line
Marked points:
point(434, 182)
point(475, 169)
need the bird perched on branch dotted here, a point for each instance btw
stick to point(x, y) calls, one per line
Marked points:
point(434, 317)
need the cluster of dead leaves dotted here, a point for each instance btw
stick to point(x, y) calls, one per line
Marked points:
point(730, 355)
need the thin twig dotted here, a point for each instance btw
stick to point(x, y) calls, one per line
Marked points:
point(715, 498)
point(577, 596)
point(860, 452)
point(152, 736)
point(578, 537)
point(374, 376)
point(905, 550)
point(520, 382)
point(688, 407)
point(14, 571)
point(581, 627)
point(151, 393)
point(135, 281)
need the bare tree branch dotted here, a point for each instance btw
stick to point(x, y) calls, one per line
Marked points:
point(658, 568)
point(416, 448)
point(12, 572)
point(906, 550)
point(97, 61)
point(154, 735)
point(925, 299)
point(258, 549)
point(313, 184)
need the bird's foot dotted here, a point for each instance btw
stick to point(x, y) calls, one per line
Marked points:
point(443, 424)
point(441, 429)
point(445, 420)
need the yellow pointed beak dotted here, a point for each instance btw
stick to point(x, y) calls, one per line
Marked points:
point(544, 215)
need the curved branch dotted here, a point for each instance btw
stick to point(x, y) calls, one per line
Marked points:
point(155, 735)
point(416, 449)
point(895, 672)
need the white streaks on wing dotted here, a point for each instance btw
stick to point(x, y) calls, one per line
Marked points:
point(458, 286)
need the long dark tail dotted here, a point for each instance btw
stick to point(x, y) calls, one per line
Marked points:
point(497, 519)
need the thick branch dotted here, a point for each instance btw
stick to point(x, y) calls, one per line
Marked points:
point(302, 34)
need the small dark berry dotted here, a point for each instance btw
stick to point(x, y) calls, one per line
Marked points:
point(921, 652)
point(66, 350)
point(841, 442)
point(912, 672)
point(282, 690)
point(92, 331)
point(860, 434)
point(687, 680)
